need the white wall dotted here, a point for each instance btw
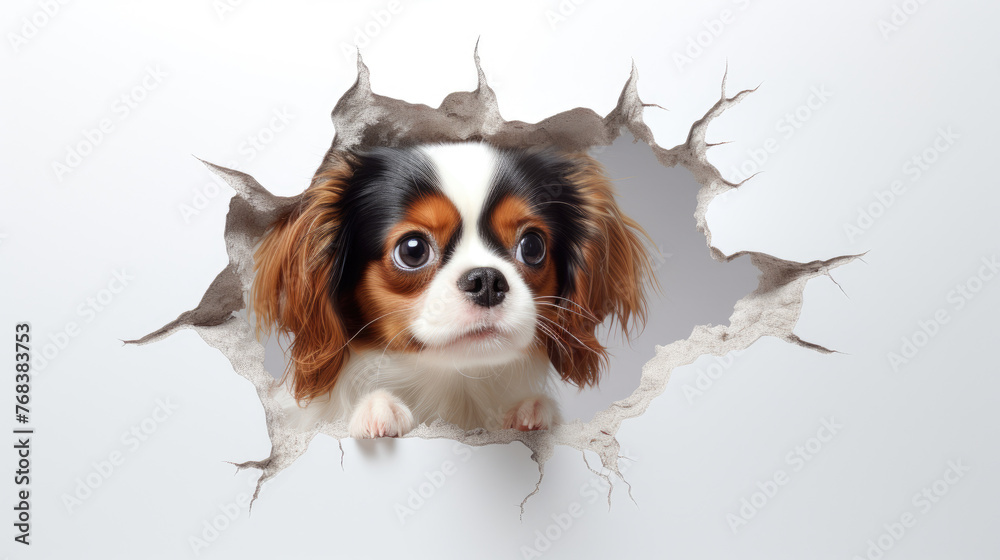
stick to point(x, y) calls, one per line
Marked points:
point(212, 81)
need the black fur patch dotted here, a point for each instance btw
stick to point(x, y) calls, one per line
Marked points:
point(386, 182)
point(540, 179)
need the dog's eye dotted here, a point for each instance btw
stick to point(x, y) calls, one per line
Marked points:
point(412, 252)
point(530, 249)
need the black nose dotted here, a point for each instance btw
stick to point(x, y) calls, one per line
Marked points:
point(485, 286)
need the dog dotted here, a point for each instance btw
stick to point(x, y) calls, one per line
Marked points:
point(452, 281)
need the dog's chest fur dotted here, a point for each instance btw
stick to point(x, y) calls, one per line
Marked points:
point(468, 398)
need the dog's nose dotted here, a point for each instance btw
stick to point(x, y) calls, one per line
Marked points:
point(484, 286)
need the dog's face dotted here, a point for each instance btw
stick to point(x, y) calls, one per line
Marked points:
point(461, 253)
point(464, 256)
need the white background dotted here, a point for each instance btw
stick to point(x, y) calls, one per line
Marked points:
point(890, 92)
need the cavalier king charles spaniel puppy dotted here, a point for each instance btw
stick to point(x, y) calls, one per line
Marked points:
point(447, 281)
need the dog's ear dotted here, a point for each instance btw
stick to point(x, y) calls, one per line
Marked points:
point(296, 274)
point(609, 275)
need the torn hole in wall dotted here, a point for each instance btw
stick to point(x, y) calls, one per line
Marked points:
point(659, 187)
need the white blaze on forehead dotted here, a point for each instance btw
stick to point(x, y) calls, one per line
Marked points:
point(465, 175)
point(465, 172)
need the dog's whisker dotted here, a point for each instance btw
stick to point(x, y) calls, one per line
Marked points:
point(462, 373)
point(510, 378)
point(563, 349)
point(382, 357)
point(582, 308)
point(410, 308)
point(571, 334)
point(566, 309)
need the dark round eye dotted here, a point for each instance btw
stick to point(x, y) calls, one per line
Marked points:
point(412, 252)
point(530, 249)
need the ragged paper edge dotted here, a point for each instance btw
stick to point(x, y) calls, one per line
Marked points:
point(364, 119)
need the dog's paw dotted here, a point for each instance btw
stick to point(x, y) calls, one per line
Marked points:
point(380, 414)
point(533, 413)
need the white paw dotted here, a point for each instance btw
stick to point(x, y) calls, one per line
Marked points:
point(380, 414)
point(533, 413)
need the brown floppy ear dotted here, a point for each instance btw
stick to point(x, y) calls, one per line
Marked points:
point(294, 270)
point(610, 277)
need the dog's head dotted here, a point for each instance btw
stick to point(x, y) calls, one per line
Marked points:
point(462, 253)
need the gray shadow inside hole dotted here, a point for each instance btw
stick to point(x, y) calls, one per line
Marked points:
point(275, 358)
point(695, 289)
